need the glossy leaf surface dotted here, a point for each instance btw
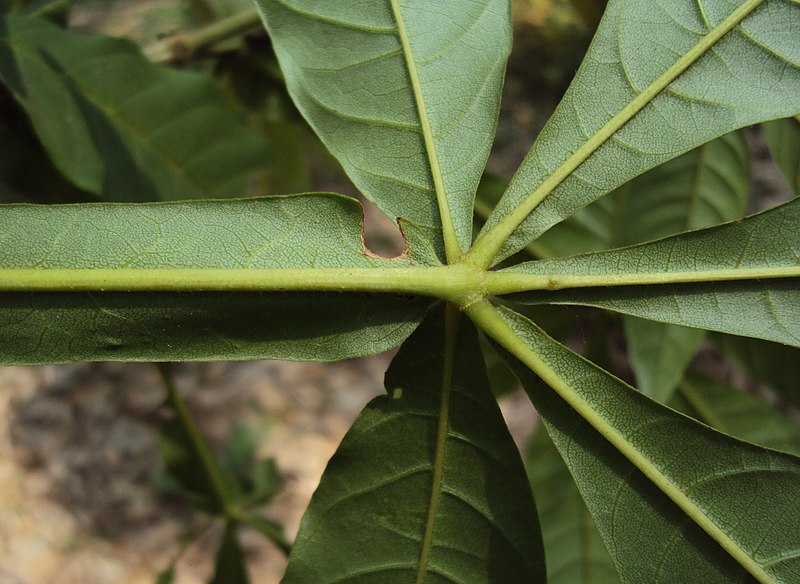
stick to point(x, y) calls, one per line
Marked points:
point(277, 232)
point(701, 497)
point(405, 93)
point(762, 308)
point(717, 66)
point(370, 519)
point(121, 127)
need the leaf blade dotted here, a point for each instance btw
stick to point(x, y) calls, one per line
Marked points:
point(400, 75)
point(369, 517)
point(303, 231)
point(754, 306)
point(616, 440)
point(579, 157)
point(121, 127)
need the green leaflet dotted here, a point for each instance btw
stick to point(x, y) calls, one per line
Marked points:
point(371, 513)
point(774, 365)
point(118, 126)
point(658, 99)
point(702, 499)
point(765, 244)
point(704, 187)
point(573, 548)
point(405, 93)
point(299, 231)
point(783, 139)
point(737, 413)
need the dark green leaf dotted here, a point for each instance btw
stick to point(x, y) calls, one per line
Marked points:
point(230, 565)
point(775, 365)
point(121, 127)
point(674, 500)
point(573, 547)
point(377, 516)
point(783, 139)
point(738, 414)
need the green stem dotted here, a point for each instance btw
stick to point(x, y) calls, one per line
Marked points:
point(510, 282)
point(267, 529)
point(488, 245)
point(200, 447)
point(451, 283)
point(183, 46)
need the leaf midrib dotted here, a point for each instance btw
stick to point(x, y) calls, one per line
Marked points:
point(451, 244)
point(488, 245)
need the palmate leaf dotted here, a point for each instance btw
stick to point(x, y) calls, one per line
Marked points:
point(239, 239)
point(405, 93)
point(121, 127)
point(427, 485)
point(717, 66)
point(763, 246)
point(674, 500)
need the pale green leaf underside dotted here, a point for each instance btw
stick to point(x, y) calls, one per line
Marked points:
point(121, 127)
point(744, 76)
point(367, 520)
point(767, 308)
point(300, 231)
point(574, 550)
point(783, 139)
point(404, 93)
point(701, 498)
point(737, 413)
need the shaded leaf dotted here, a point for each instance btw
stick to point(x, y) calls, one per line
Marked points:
point(573, 547)
point(230, 565)
point(370, 519)
point(121, 127)
point(303, 231)
point(404, 93)
point(269, 529)
point(658, 100)
point(772, 364)
point(701, 498)
point(737, 413)
point(783, 139)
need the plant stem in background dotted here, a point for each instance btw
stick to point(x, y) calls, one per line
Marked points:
point(201, 449)
point(184, 46)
